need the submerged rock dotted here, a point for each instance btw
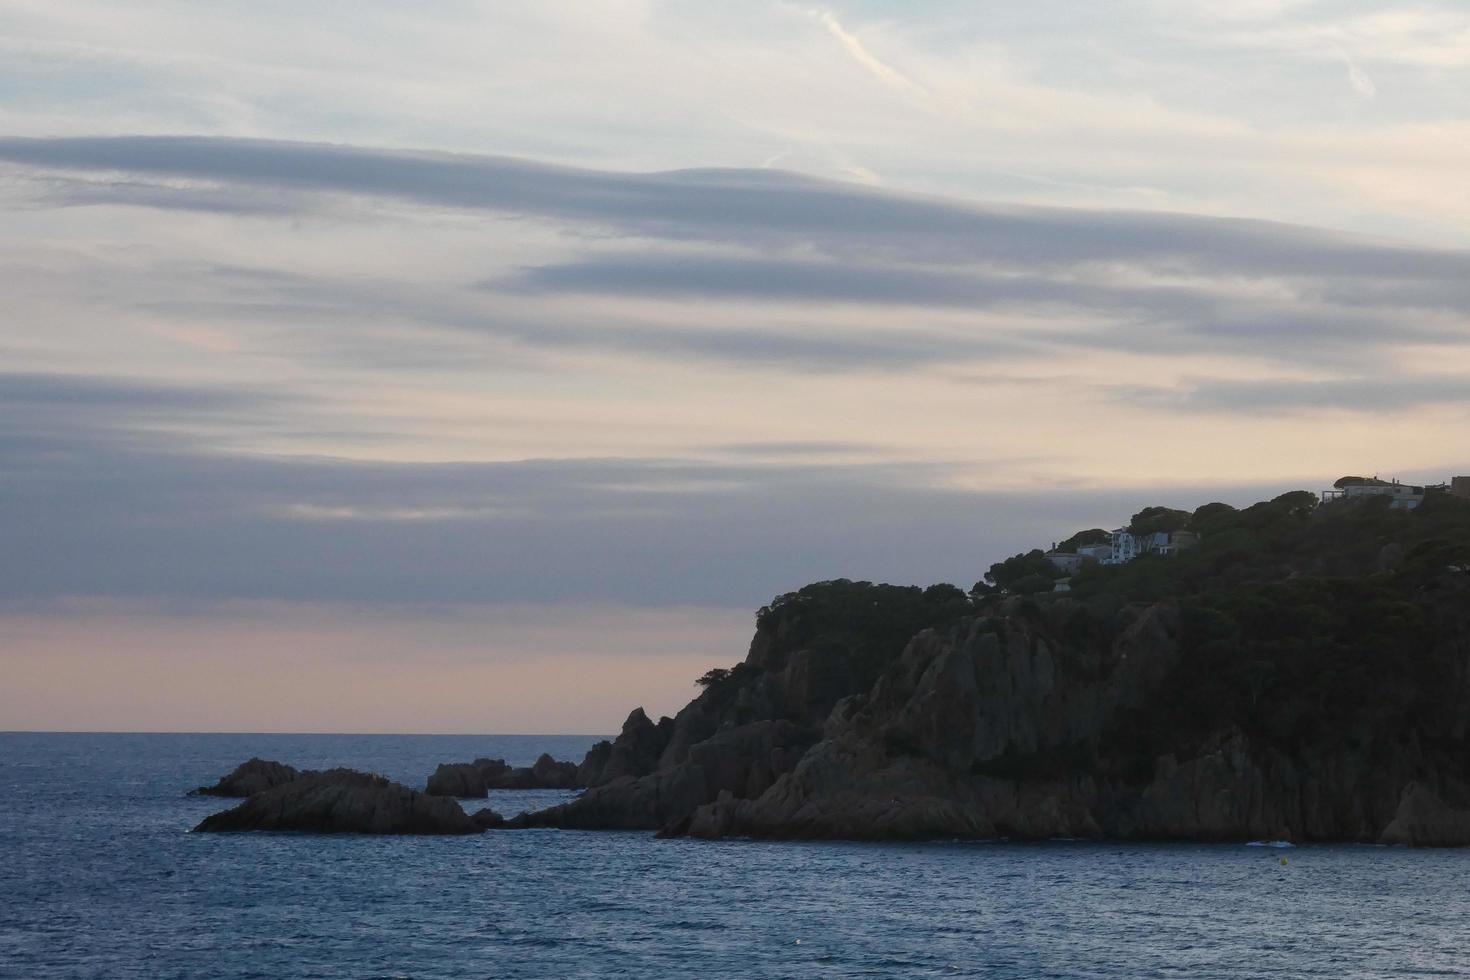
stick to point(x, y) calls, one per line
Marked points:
point(343, 801)
point(251, 777)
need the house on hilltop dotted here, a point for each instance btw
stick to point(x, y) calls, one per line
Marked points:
point(1070, 562)
point(1402, 496)
point(1065, 561)
point(1124, 545)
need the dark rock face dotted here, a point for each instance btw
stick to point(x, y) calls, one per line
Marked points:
point(1040, 721)
point(635, 752)
point(983, 733)
point(1424, 820)
point(251, 777)
point(464, 780)
point(342, 801)
point(589, 773)
point(487, 819)
point(746, 759)
point(474, 780)
point(547, 773)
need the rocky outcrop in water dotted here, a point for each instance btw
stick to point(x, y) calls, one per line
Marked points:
point(464, 780)
point(474, 780)
point(251, 777)
point(343, 801)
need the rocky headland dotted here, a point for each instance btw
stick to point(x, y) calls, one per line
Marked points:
point(1302, 674)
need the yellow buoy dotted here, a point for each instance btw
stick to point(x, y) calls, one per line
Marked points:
point(1283, 860)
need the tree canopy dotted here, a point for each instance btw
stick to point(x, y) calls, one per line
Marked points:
point(1152, 520)
point(1024, 573)
point(1093, 535)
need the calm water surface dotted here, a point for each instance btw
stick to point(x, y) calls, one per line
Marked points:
point(99, 878)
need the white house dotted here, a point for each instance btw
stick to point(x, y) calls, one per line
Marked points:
point(1126, 546)
point(1403, 496)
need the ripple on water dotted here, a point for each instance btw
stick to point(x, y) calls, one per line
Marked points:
point(101, 880)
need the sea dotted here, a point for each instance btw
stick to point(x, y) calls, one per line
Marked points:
point(101, 877)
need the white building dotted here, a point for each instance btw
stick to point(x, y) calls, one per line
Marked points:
point(1124, 545)
point(1402, 495)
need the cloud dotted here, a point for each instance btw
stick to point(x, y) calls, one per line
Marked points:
point(340, 311)
point(736, 270)
point(214, 199)
point(1375, 394)
point(1034, 314)
point(87, 410)
point(775, 280)
point(1358, 79)
point(801, 449)
point(880, 69)
point(748, 206)
point(1145, 282)
point(57, 392)
point(99, 511)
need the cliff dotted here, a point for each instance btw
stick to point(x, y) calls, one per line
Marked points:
point(1302, 674)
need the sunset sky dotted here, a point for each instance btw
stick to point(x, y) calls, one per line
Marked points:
point(482, 367)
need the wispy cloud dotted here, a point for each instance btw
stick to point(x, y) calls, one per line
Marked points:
point(1369, 394)
point(1358, 79)
point(785, 271)
point(741, 205)
point(199, 523)
point(880, 69)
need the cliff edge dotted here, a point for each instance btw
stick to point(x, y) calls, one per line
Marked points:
point(1302, 674)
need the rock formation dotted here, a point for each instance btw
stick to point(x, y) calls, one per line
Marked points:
point(1301, 689)
point(464, 780)
point(251, 777)
point(474, 780)
point(342, 801)
point(487, 819)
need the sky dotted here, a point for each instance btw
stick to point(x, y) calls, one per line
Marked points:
point(483, 367)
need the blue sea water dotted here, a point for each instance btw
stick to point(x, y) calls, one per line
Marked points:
point(99, 877)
